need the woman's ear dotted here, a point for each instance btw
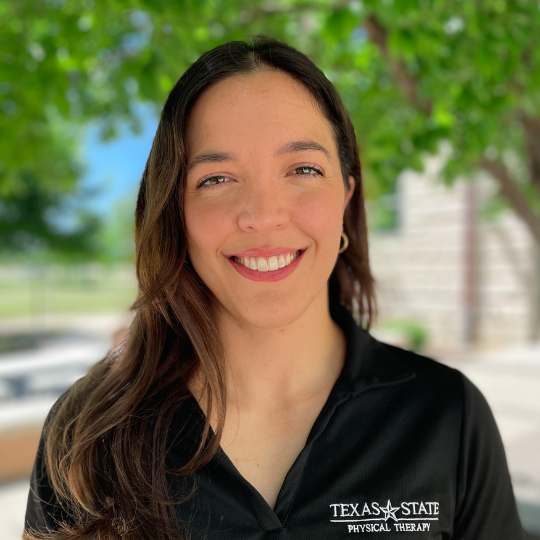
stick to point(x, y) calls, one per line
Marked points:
point(348, 194)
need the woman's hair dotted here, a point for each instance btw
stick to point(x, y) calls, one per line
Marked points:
point(107, 441)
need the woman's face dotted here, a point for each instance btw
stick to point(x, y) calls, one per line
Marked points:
point(263, 173)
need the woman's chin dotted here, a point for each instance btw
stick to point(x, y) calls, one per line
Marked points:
point(269, 315)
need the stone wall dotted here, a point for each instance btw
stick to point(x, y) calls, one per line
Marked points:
point(423, 269)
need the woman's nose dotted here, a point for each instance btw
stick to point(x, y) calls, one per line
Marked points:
point(263, 206)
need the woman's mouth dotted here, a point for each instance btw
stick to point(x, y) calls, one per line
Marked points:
point(267, 269)
point(267, 264)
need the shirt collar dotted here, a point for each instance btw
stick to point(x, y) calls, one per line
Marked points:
point(368, 362)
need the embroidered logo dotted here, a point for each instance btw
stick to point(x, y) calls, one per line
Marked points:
point(416, 516)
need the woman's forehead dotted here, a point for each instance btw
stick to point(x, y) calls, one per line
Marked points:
point(262, 84)
point(257, 106)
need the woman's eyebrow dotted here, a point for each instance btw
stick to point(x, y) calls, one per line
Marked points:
point(288, 148)
point(300, 146)
point(212, 157)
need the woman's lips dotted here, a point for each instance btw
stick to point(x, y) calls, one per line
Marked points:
point(271, 275)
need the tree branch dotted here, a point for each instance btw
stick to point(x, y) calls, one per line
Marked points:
point(408, 84)
point(509, 189)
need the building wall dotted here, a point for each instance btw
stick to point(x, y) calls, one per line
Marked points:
point(421, 268)
point(506, 264)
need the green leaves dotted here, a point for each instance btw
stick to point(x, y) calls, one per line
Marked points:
point(340, 25)
point(439, 70)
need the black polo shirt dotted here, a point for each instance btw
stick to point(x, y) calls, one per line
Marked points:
point(404, 448)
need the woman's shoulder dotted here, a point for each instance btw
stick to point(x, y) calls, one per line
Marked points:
point(444, 395)
point(433, 376)
point(424, 365)
point(42, 507)
point(454, 415)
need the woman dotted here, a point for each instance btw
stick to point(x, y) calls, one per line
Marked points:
point(249, 401)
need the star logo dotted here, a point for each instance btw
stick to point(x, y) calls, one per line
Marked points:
point(389, 511)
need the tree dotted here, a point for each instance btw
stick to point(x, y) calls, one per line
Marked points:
point(33, 221)
point(117, 236)
point(472, 70)
point(413, 73)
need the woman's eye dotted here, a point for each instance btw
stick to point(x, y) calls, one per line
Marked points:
point(211, 182)
point(205, 185)
point(309, 169)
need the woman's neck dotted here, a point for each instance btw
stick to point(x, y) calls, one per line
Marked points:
point(279, 368)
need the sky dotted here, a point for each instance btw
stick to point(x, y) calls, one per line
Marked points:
point(116, 166)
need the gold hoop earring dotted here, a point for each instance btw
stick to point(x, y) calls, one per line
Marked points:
point(345, 242)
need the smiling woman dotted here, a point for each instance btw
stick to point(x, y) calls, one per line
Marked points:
point(249, 400)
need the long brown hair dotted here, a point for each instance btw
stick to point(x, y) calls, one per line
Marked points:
point(106, 441)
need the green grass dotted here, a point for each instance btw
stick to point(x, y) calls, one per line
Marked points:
point(28, 291)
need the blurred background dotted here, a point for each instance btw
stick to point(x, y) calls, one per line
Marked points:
point(445, 99)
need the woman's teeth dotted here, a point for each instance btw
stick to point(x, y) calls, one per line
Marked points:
point(266, 265)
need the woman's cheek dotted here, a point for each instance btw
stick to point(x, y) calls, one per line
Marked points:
point(318, 214)
point(208, 226)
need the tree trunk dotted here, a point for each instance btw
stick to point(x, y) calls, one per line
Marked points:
point(534, 307)
point(470, 267)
